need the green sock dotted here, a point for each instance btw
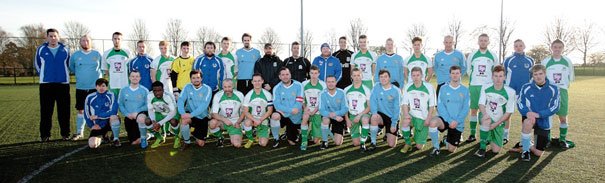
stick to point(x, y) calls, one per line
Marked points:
point(473, 125)
point(364, 133)
point(483, 139)
point(304, 133)
point(249, 134)
point(218, 134)
point(176, 131)
point(563, 132)
point(406, 135)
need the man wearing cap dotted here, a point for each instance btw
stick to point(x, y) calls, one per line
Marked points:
point(328, 65)
point(269, 66)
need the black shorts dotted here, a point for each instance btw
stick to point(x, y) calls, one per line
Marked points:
point(338, 127)
point(81, 97)
point(245, 85)
point(100, 132)
point(283, 121)
point(132, 127)
point(386, 124)
point(453, 135)
point(292, 131)
point(201, 128)
point(541, 138)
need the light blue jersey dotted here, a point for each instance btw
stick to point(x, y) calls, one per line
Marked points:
point(393, 64)
point(133, 100)
point(245, 62)
point(286, 98)
point(386, 101)
point(443, 61)
point(195, 100)
point(87, 67)
point(454, 104)
point(336, 103)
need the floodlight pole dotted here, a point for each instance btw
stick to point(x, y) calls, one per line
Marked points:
point(302, 43)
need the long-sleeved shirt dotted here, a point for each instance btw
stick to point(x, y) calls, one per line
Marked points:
point(162, 109)
point(328, 66)
point(518, 70)
point(103, 105)
point(268, 67)
point(559, 72)
point(393, 63)
point(299, 68)
point(286, 98)
point(543, 100)
point(454, 104)
point(53, 66)
point(196, 100)
point(336, 103)
point(181, 67)
point(443, 61)
point(245, 62)
point(386, 101)
point(87, 67)
point(142, 63)
point(213, 71)
point(133, 100)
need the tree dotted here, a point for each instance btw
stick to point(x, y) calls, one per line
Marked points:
point(416, 30)
point(308, 44)
point(332, 39)
point(559, 29)
point(538, 53)
point(270, 36)
point(357, 29)
point(455, 30)
point(10, 58)
point(33, 36)
point(507, 30)
point(72, 31)
point(140, 33)
point(175, 33)
point(379, 50)
point(585, 40)
point(490, 31)
point(4, 38)
point(205, 34)
point(597, 58)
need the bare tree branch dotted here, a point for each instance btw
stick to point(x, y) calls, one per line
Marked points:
point(455, 30)
point(3, 38)
point(140, 32)
point(205, 34)
point(538, 53)
point(559, 29)
point(72, 31)
point(270, 36)
point(175, 33)
point(507, 30)
point(308, 44)
point(332, 39)
point(416, 30)
point(33, 36)
point(585, 40)
point(357, 29)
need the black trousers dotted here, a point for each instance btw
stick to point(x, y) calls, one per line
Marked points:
point(51, 93)
point(132, 129)
point(245, 85)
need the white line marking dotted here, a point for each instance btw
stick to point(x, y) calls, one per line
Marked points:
point(45, 166)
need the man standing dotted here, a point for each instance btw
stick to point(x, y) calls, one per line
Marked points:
point(211, 67)
point(142, 63)
point(229, 59)
point(517, 70)
point(115, 64)
point(288, 107)
point(344, 55)
point(538, 101)
point(86, 64)
point(560, 72)
point(161, 67)
point(497, 103)
point(268, 67)
point(181, 68)
point(385, 106)
point(365, 60)
point(133, 105)
point(391, 62)
point(481, 63)
point(327, 64)
point(297, 64)
point(445, 59)
point(52, 63)
point(418, 109)
point(193, 107)
point(418, 59)
point(246, 58)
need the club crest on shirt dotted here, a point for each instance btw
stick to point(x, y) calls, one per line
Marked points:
point(293, 94)
point(526, 66)
point(493, 106)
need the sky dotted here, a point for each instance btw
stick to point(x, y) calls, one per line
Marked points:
point(383, 18)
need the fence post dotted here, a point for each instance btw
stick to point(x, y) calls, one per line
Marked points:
point(15, 75)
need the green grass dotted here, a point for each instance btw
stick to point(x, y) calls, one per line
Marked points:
point(21, 154)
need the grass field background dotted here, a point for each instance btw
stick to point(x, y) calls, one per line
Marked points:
point(21, 154)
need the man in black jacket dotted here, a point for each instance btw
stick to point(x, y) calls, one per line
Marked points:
point(269, 66)
point(344, 56)
point(299, 66)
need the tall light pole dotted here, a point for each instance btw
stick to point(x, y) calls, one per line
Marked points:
point(500, 55)
point(302, 43)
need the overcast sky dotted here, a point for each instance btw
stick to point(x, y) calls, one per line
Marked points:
point(384, 19)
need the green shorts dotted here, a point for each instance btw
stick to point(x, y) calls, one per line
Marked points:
point(262, 131)
point(315, 123)
point(356, 127)
point(368, 83)
point(564, 102)
point(496, 135)
point(475, 92)
point(232, 130)
point(116, 92)
point(420, 131)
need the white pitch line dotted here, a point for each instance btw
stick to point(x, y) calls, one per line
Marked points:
point(45, 166)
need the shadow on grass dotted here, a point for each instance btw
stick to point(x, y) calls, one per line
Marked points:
point(521, 171)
